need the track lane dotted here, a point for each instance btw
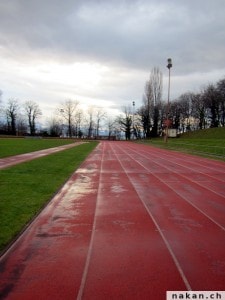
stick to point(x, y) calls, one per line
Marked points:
point(128, 254)
point(202, 259)
point(194, 164)
point(193, 191)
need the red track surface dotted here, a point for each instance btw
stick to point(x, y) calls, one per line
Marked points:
point(131, 223)
point(17, 159)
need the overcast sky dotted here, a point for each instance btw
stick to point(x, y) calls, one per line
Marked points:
point(101, 52)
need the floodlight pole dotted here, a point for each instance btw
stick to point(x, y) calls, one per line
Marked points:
point(133, 116)
point(169, 66)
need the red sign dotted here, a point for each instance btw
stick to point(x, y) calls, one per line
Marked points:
point(167, 122)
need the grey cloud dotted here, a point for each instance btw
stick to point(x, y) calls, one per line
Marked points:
point(136, 33)
point(130, 37)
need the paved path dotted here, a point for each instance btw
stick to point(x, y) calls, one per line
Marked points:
point(131, 223)
point(17, 159)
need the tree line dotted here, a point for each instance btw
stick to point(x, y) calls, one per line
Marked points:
point(13, 121)
point(190, 111)
point(69, 119)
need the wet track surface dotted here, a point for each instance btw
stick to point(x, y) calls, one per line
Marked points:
point(131, 223)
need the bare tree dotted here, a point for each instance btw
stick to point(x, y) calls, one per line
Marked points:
point(125, 122)
point(32, 111)
point(11, 115)
point(199, 110)
point(185, 105)
point(90, 113)
point(147, 108)
point(68, 112)
point(100, 115)
point(21, 124)
point(156, 82)
point(221, 90)
point(151, 103)
point(55, 127)
point(113, 127)
point(110, 125)
point(175, 115)
point(78, 120)
point(211, 98)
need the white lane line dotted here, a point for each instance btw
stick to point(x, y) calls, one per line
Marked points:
point(177, 264)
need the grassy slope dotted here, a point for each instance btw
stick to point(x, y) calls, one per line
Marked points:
point(210, 133)
point(27, 187)
point(209, 142)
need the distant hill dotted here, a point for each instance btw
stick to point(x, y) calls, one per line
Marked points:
point(210, 133)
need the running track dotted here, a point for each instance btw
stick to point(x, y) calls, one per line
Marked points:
point(131, 223)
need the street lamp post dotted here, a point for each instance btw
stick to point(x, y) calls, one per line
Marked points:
point(133, 116)
point(169, 66)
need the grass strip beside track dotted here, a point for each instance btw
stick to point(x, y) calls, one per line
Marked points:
point(15, 146)
point(206, 148)
point(26, 188)
point(207, 143)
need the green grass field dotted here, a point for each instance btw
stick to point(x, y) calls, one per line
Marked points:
point(27, 187)
point(208, 143)
point(14, 146)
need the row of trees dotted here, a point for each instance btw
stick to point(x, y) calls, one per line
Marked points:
point(72, 121)
point(200, 110)
point(16, 121)
point(190, 111)
point(69, 120)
